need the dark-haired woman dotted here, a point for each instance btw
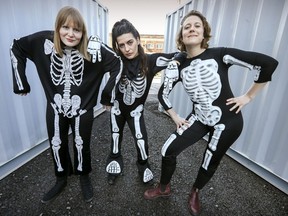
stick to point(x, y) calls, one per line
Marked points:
point(139, 69)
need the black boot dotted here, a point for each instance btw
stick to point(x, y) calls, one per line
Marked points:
point(111, 178)
point(86, 187)
point(114, 168)
point(61, 183)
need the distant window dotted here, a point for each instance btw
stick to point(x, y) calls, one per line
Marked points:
point(149, 46)
point(159, 46)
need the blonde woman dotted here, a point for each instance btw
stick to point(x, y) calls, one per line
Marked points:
point(71, 82)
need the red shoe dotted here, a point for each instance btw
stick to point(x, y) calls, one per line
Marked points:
point(193, 202)
point(156, 192)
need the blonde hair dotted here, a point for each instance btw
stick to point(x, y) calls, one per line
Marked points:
point(71, 14)
point(207, 31)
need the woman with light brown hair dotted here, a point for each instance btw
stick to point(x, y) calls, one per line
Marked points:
point(71, 82)
point(204, 75)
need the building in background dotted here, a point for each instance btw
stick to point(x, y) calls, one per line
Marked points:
point(152, 43)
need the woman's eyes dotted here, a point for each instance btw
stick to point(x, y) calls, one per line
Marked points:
point(129, 43)
point(74, 29)
point(189, 26)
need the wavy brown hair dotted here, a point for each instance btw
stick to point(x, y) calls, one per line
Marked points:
point(207, 31)
point(71, 14)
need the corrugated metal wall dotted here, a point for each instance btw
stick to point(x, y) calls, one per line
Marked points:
point(262, 26)
point(22, 126)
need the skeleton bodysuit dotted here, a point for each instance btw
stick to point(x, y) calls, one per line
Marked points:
point(205, 79)
point(132, 93)
point(71, 85)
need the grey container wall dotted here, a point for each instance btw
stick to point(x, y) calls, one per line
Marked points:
point(23, 127)
point(261, 26)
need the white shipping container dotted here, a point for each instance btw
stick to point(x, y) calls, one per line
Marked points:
point(260, 26)
point(23, 126)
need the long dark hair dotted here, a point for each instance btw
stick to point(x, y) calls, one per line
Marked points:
point(123, 27)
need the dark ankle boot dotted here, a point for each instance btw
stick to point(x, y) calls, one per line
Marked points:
point(60, 184)
point(114, 168)
point(111, 178)
point(86, 187)
point(158, 192)
point(193, 202)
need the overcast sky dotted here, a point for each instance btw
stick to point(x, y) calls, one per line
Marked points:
point(148, 16)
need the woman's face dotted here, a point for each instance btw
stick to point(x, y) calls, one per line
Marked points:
point(193, 31)
point(70, 35)
point(128, 45)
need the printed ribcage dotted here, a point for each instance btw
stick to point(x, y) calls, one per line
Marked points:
point(202, 83)
point(132, 89)
point(69, 68)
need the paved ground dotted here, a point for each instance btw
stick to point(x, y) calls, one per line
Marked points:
point(233, 190)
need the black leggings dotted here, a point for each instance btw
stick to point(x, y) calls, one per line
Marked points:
point(58, 129)
point(226, 133)
point(136, 123)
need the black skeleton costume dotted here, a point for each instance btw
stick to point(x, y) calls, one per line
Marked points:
point(71, 85)
point(132, 92)
point(205, 79)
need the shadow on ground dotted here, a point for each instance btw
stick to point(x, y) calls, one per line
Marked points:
point(234, 190)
